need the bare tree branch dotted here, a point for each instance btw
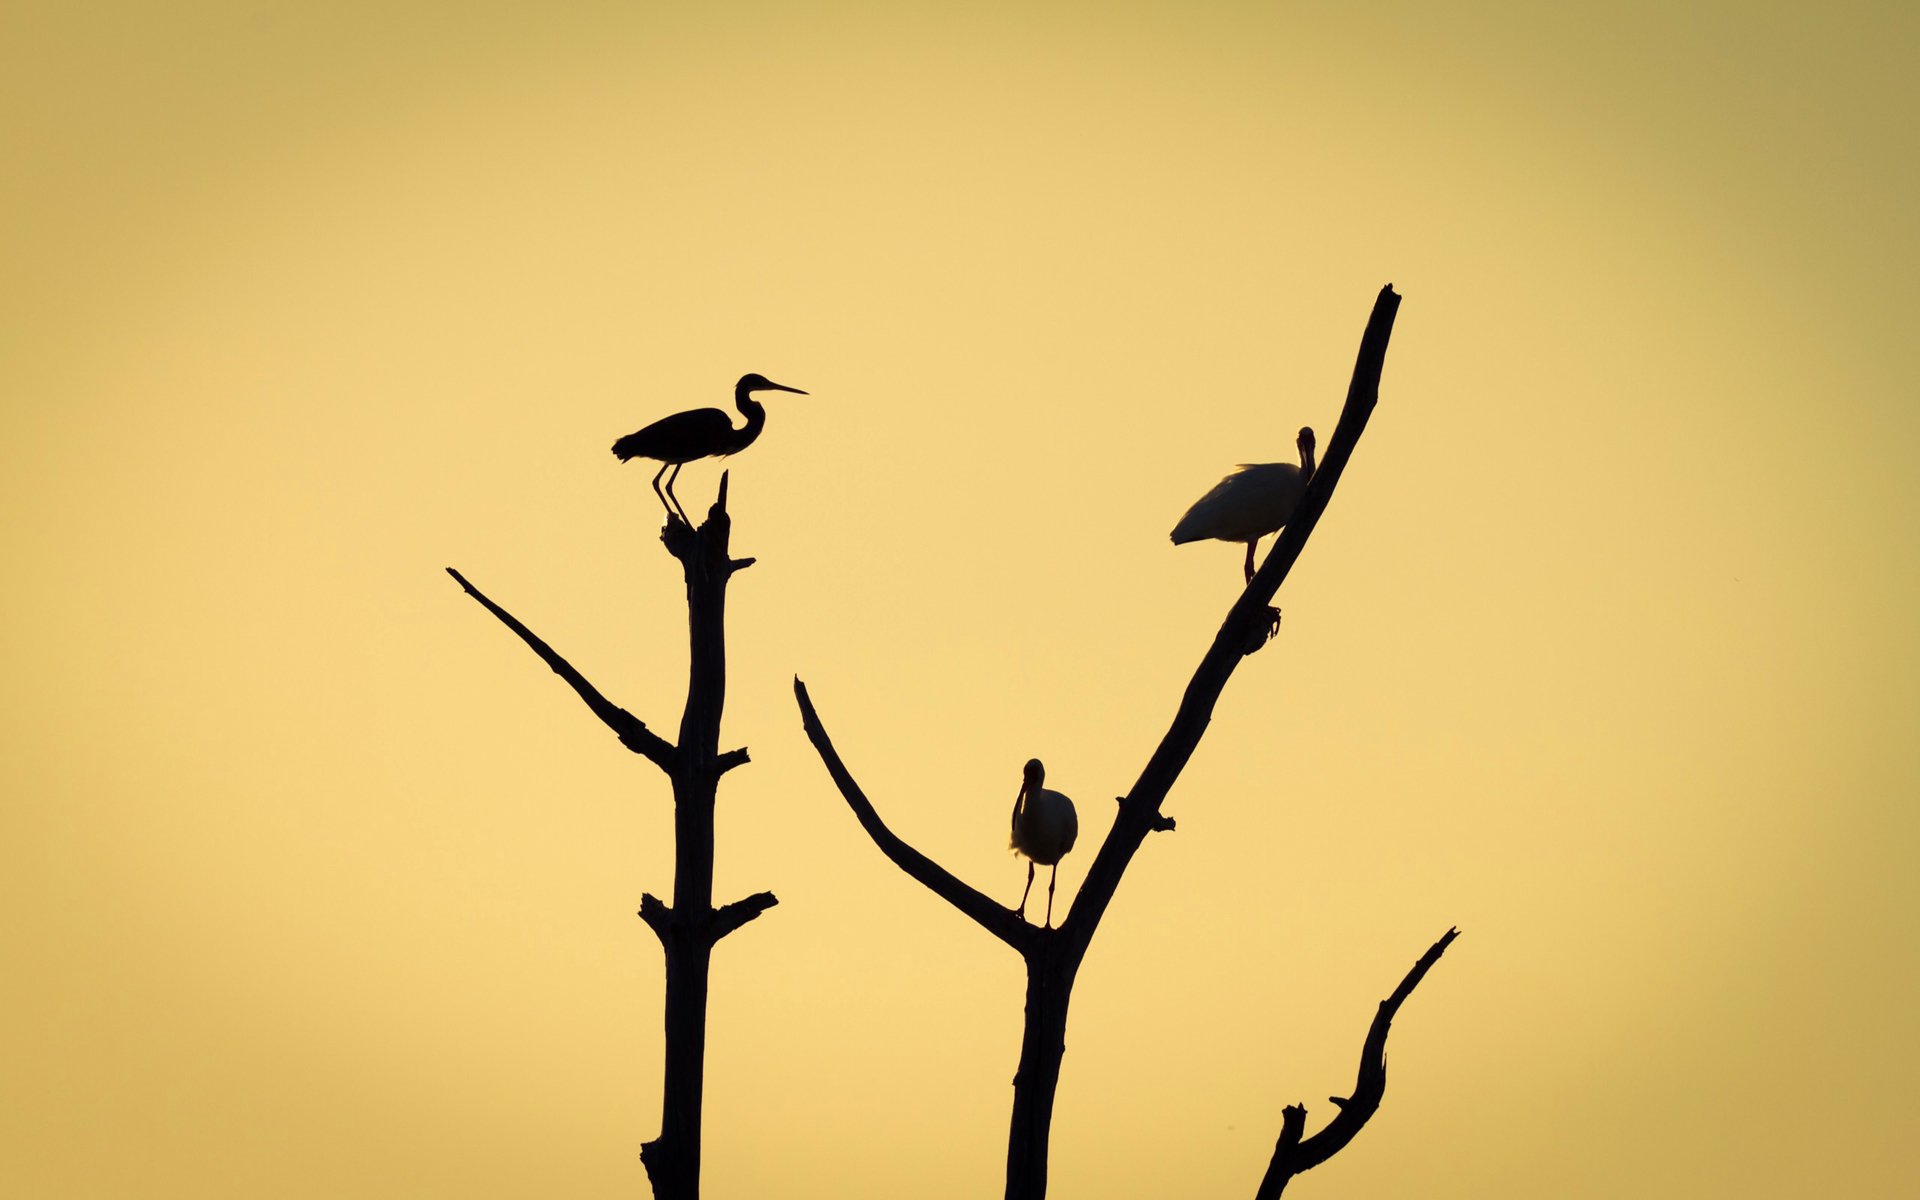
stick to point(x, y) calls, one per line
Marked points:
point(654, 911)
point(1140, 809)
point(1293, 1122)
point(1291, 1154)
point(729, 917)
point(664, 920)
point(1000, 922)
point(631, 730)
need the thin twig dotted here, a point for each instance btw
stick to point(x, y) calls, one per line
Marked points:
point(631, 730)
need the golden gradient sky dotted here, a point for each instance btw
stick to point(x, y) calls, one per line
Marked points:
point(318, 885)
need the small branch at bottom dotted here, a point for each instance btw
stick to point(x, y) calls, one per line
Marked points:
point(1291, 1153)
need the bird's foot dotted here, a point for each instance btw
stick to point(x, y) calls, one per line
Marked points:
point(1262, 634)
point(677, 536)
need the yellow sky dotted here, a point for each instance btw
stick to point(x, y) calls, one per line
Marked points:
point(319, 885)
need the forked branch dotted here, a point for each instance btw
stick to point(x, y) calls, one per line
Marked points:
point(1291, 1153)
point(631, 730)
point(1053, 956)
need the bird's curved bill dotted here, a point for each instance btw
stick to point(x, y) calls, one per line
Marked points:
point(781, 387)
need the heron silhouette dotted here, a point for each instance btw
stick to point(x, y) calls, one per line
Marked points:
point(1044, 829)
point(677, 440)
point(1247, 505)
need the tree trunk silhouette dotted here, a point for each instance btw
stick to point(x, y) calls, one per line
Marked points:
point(689, 927)
point(1053, 956)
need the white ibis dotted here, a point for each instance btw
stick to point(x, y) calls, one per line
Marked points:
point(699, 433)
point(1044, 827)
point(1247, 505)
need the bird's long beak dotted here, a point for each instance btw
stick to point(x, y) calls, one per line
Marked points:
point(781, 387)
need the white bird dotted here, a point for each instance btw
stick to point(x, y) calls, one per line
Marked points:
point(1044, 827)
point(1252, 502)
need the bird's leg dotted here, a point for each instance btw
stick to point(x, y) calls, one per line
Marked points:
point(674, 498)
point(658, 492)
point(1022, 910)
point(1266, 635)
point(1053, 874)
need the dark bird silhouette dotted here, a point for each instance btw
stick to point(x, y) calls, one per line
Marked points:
point(1044, 829)
point(1252, 502)
point(699, 433)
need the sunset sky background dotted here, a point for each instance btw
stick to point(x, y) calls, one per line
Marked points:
point(319, 885)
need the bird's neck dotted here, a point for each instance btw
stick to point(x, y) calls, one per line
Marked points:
point(756, 415)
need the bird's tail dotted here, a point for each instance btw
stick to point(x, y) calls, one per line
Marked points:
point(627, 448)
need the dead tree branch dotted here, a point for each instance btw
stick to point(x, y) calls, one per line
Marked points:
point(991, 916)
point(631, 730)
point(690, 926)
point(1140, 808)
point(1053, 956)
point(729, 917)
point(1292, 1154)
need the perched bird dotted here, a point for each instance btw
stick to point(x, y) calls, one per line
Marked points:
point(1044, 827)
point(1247, 505)
point(699, 433)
